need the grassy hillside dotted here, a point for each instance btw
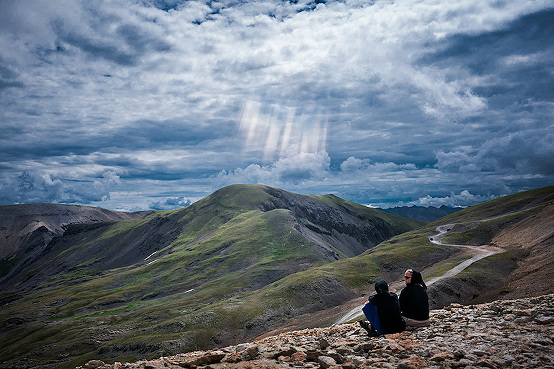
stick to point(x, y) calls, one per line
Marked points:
point(243, 261)
point(230, 266)
point(522, 224)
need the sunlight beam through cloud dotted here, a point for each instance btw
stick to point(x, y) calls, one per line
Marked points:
point(280, 132)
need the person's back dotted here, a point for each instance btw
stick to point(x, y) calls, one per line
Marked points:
point(388, 310)
point(383, 312)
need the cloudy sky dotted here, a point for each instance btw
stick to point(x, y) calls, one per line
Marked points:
point(154, 104)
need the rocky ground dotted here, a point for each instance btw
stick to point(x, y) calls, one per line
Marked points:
point(500, 334)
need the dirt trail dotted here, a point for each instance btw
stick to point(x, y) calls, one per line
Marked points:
point(478, 252)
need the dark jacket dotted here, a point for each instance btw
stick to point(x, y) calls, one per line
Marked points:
point(383, 311)
point(414, 302)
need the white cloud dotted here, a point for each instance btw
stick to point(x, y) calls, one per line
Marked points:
point(365, 166)
point(454, 160)
point(170, 203)
point(463, 199)
point(297, 169)
point(353, 164)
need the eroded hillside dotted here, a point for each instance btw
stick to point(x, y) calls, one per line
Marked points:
point(231, 266)
point(19, 222)
point(523, 226)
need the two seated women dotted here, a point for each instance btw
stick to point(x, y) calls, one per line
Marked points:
point(388, 313)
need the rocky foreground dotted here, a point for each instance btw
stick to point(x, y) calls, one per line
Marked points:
point(500, 334)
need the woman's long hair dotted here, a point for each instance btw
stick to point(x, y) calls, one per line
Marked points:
point(417, 279)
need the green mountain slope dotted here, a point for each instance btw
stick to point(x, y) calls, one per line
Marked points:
point(246, 261)
point(231, 266)
point(521, 224)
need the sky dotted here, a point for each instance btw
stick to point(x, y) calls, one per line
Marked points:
point(154, 104)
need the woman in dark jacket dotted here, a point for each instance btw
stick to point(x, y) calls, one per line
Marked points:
point(383, 312)
point(414, 302)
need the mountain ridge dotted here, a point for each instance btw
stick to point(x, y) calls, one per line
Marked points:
point(19, 221)
point(240, 266)
point(427, 214)
point(236, 244)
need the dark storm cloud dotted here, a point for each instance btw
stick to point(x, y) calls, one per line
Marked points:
point(519, 55)
point(138, 135)
point(8, 77)
point(526, 35)
point(520, 153)
point(125, 45)
point(514, 63)
point(164, 5)
point(169, 133)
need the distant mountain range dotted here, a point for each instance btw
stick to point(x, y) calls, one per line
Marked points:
point(427, 214)
point(246, 261)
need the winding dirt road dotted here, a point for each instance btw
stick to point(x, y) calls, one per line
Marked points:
point(478, 252)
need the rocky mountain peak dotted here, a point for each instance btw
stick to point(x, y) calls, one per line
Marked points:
point(19, 222)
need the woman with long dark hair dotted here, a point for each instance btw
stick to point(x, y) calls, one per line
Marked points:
point(414, 302)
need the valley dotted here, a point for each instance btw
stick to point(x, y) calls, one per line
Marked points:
point(245, 263)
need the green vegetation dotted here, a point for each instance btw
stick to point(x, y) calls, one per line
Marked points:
point(480, 233)
point(445, 265)
point(391, 219)
point(238, 263)
point(522, 201)
point(123, 226)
